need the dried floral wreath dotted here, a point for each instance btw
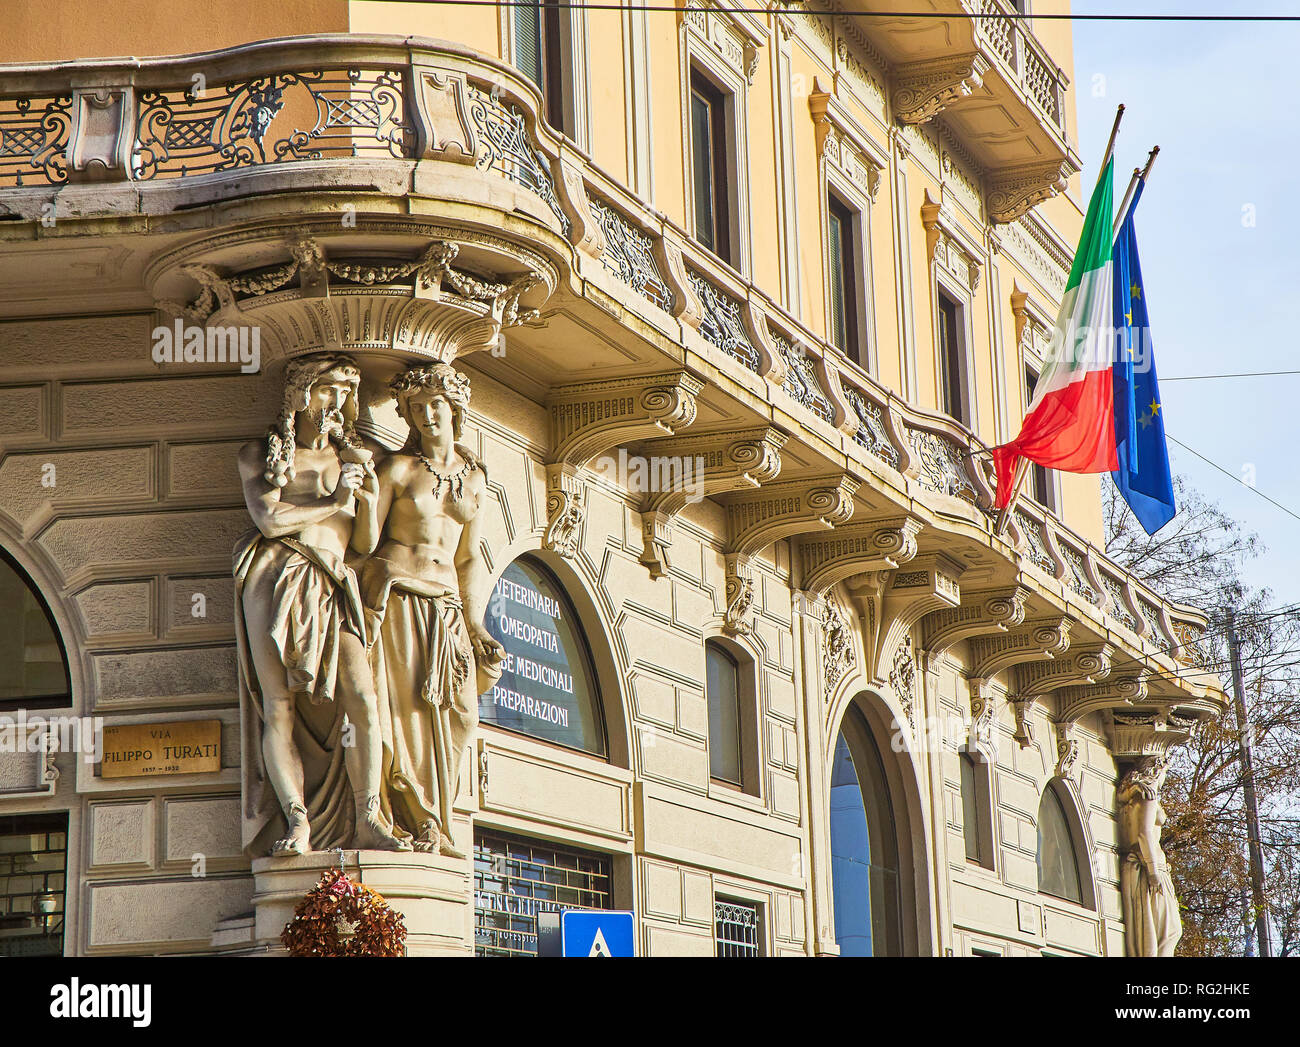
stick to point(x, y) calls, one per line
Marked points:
point(340, 917)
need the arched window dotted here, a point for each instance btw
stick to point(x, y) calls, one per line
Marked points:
point(548, 688)
point(33, 667)
point(1058, 858)
point(722, 689)
point(864, 846)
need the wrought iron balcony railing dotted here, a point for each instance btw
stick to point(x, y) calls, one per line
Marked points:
point(361, 101)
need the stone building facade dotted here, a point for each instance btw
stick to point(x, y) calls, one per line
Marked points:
point(743, 299)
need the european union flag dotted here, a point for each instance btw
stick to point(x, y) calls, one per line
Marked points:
point(1143, 476)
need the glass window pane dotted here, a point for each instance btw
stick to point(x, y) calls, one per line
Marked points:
point(528, 41)
point(722, 688)
point(1058, 864)
point(864, 847)
point(548, 689)
point(836, 233)
point(702, 169)
point(31, 656)
point(970, 810)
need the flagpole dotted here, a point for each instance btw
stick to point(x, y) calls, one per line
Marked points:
point(1022, 466)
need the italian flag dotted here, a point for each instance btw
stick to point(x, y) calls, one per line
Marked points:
point(1070, 423)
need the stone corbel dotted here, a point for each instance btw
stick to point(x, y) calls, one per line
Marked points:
point(872, 545)
point(1022, 708)
point(1029, 322)
point(1013, 193)
point(443, 128)
point(738, 618)
point(720, 462)
point(1079, 666)
point(980, 613)
point(1074, 703)
point(1030, 642)
point(900, 599)
point(777, 510)
point(101, 135)
point(1067, 750)
point(924, 89)
point(591, 418)
point(982, 717)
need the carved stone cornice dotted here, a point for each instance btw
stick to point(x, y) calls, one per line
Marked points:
point(980, 613)
point(947, 246)
point(1074, 703)
point(591, 418)
point(872, 545)
point(924, 89)
point(787, 508)
point(1014, 192)
point(1033, 641)
point(842, 142)
point(719, 462)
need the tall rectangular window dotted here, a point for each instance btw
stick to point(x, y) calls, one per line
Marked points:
point(1040, 480)
point(540, 35)
point(722, 692)
point(952, 364)
point(842, 224)
point(710, 178)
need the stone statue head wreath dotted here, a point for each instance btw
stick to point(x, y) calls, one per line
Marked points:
point(439, 378)
point(300, 376)
point(1143, 779)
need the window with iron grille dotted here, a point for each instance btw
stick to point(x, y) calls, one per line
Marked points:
point(737, 928)
point(33, 868)
point(516, 878)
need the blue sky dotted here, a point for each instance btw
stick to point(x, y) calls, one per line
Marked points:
point(1218, 98)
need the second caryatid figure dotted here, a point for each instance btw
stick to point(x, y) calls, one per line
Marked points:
point(358, 697)
point(425, 588)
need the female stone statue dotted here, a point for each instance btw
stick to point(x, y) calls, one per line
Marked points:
point(424, 589)
point(1151, 907)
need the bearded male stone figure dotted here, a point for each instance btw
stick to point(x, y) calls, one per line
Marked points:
point(425, 592)
point(301, 629)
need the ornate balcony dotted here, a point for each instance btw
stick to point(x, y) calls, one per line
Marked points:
point(994, 84)
point(400, 198)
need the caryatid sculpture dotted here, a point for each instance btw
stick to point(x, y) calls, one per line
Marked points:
point(425, 592)
point(1151, 907)
point(311, 781)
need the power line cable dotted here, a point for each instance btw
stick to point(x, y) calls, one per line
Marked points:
point(1273, 501)
point(1237, 374)
point(783, 8)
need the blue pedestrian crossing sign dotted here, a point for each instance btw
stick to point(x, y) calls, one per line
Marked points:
point(596, 933)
